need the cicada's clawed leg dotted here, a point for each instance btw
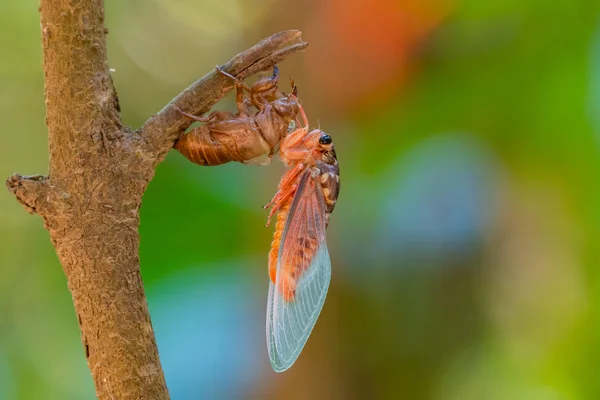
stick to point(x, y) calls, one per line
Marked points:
point(238, 82)
point(243, 104)
point(265, 89)
point(214, 116)
point(289, 177)
point(268, 83)
point(261, 93)
point(282, 197)
point(194, 117)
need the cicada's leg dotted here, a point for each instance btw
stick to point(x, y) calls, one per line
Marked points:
point(263, 85)
point(289, 177)
point(194, 117)
point(214, 116)
point(237, 81)
point(265, 89)
point(283, 198)
point(292, 175)
point(262, 92)
point(243, 104)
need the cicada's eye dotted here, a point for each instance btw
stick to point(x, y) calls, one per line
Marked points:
point(325, 139)
point(291, 127)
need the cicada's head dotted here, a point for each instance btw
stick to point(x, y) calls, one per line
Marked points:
point(321, 146)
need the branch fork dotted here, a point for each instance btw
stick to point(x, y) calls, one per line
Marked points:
point(30, 191)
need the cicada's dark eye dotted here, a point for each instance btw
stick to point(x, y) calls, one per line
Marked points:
point(325, 139)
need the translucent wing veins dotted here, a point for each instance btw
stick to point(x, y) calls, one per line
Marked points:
point(289, 323)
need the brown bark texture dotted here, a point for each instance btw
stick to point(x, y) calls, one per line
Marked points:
point(98, 172)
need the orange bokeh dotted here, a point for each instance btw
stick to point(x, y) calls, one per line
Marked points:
point(364, 52)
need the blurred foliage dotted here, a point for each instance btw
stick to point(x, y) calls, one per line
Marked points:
point(465, 242)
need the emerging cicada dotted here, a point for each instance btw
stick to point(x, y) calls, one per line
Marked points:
point(299, 264)
point(250, 137)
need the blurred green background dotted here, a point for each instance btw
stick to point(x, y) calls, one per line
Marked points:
point(465, 243)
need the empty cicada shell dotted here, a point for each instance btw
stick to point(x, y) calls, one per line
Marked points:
point(252, 135)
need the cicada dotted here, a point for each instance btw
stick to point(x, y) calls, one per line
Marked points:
point(299, 264)
point(251, 136)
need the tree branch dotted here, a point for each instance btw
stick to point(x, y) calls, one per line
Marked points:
point(99, 171)
point(31, 191)
point(81, 102)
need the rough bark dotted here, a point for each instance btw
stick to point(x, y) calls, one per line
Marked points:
point(98, 173)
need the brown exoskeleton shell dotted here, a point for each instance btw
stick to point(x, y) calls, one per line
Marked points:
point(250, 136)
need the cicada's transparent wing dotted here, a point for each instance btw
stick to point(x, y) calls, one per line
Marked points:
point(289, 324)
point(292, 312)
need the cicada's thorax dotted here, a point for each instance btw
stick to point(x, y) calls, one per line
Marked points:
point(329, 178)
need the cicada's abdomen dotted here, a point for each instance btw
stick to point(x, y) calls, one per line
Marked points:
point(274, 252)
point(201, 148)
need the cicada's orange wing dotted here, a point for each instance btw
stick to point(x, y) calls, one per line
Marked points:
point(303, 275)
